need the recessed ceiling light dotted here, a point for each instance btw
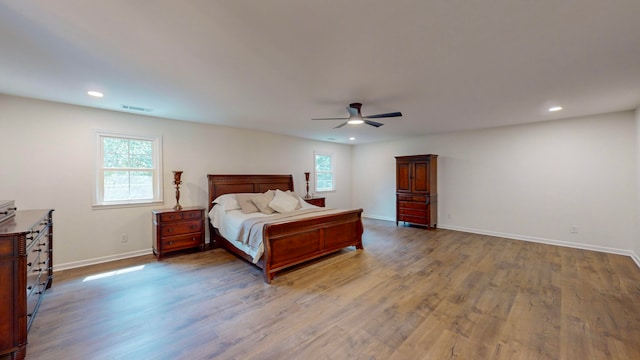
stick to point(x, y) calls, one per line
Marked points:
point(555, 108)
point(95, 93)
point(352, 138)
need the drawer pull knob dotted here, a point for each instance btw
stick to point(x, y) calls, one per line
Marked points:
point(29, 287)
point(170, 242)
point(29, 264)
point(30, 314)
point(169, 230)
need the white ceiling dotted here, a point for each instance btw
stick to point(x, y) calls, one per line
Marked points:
point(273, 65)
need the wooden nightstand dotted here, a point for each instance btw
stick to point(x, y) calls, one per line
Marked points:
point(175, 230)
point(317, 201)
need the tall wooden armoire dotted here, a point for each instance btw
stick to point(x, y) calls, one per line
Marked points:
point(417, 190)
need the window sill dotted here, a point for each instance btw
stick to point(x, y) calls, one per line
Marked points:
point(125, 205)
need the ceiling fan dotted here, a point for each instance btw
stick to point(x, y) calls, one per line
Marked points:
point(355, 117)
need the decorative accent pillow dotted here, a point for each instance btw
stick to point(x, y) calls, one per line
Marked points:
point(262, 202)
point(299, 206)
point(283, 202)
point(246, 205)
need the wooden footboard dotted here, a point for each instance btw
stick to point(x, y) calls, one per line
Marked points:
point(289, 243)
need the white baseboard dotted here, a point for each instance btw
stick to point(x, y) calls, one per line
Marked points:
point(94, 261)
point(376, 217)
point(635, 258)
point(604, 249)
point(629, 253)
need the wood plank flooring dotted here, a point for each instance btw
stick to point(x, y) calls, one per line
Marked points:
point(411, 294)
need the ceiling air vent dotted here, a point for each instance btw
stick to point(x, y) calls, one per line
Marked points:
point(136, 108)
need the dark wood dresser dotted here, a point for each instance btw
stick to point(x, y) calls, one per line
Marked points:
point(175, 230)
point(26, 271)
point(417, 189)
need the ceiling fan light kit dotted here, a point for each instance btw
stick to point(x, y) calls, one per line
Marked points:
point(356, 118)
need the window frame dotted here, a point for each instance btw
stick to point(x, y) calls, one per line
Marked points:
point(316, 172)
point(98, 184)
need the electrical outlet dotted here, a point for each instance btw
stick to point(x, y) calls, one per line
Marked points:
point(124, 238)
point(574, 229)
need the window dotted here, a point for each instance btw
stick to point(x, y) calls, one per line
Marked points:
point(128, 169)
point(325, 178)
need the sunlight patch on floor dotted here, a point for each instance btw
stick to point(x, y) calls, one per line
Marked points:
point(113, 273)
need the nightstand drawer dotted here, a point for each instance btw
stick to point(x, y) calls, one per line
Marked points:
point(195, 214)
point(184, 227)
point(172, 216)
point(181, 242)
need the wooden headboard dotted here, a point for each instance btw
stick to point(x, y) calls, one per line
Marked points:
point(229, 184)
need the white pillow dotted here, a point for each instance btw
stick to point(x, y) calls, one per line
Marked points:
point(227, 201)
point(283, 202)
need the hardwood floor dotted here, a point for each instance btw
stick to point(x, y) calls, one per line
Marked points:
point(411, 294)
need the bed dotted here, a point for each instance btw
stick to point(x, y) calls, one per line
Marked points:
point(286, 243)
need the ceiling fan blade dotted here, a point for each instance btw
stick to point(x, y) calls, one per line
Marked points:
point(373, 123)
point(341, 118)
point(388, 115)
point(341, 125)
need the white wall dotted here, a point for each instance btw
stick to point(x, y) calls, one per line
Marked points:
point(531, 182)
point(48, 162)
point(636, 245)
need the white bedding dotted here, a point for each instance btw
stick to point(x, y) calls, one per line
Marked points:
point(229, 224)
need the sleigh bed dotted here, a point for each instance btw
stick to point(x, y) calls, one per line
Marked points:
point(286, 243)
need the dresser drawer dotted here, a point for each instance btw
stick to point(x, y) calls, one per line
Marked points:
point(37, 233)
point(418, 198)
point(412, 205)
point(413, 219)
point(32, 300)
point(181, 242)
point(180, 228)
point(33, 276)
point(33, 297)
point(412, 212)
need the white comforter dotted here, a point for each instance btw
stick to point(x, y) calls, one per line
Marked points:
point(229, 224)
